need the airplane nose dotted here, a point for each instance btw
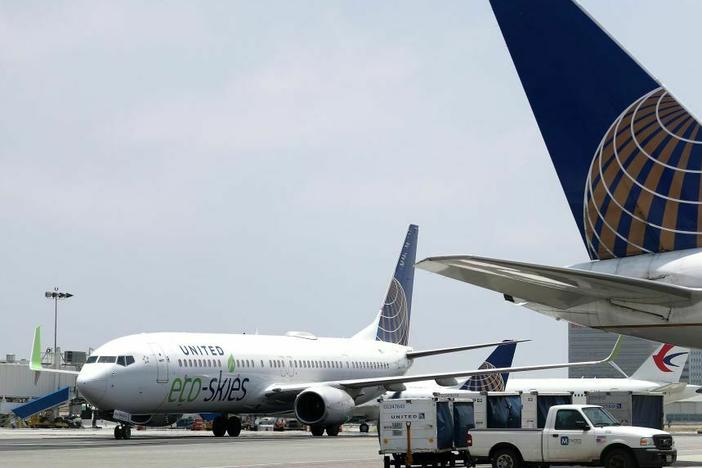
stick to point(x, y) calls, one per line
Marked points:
point(92, 387)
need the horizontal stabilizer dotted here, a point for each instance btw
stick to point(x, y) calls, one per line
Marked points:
point(455, 349)
point(557, 287)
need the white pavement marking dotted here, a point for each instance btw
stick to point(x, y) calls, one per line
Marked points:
point(305, 463)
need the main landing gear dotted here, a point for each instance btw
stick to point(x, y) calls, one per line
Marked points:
point(318, 431)
point(123, 431)
point(222, 425)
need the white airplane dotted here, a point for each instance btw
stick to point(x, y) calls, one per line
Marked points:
point(151, 378)
point(629, 159)
point(660, 372)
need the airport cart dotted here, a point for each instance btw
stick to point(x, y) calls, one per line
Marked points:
point(643, 409)
point(425, 431)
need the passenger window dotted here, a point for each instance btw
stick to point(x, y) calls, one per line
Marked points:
point(91, 360)
point(569, 419)
point(180, 363)
point(107, 359)
point(261, 362)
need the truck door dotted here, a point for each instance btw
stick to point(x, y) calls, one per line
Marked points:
point(567, 441)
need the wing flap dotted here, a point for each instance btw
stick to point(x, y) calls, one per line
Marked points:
point(557, 287)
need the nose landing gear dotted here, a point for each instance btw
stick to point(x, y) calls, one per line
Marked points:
point(123, 431)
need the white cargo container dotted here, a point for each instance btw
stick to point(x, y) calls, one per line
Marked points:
point(631, 408)
point(423, 430)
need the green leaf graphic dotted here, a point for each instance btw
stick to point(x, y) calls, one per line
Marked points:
point(230, 363)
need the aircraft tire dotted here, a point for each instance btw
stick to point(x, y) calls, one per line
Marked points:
point(126, 432)
point(233, 426)
point(317, 431)
point(219, 426)
point(333, 431)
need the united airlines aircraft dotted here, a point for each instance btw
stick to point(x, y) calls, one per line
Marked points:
point(152, 378)
point(629, 159)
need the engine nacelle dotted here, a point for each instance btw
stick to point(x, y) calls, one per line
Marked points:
point(323, 405)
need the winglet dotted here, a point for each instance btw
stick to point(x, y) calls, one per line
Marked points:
point(615, 350)
point(35, 361)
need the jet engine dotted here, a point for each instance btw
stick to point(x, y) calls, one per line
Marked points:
point(323, 405)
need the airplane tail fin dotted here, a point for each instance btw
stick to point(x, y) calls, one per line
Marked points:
point(392, 322)
point(501, 357)
point(628, 155)
point(665, 365)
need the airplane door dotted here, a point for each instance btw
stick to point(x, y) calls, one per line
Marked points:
point(161, 362)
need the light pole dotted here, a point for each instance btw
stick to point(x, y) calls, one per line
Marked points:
point(56, 295)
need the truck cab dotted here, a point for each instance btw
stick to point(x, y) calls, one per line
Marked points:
point(574, 434)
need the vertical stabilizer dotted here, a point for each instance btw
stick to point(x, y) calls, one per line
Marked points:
point(392, 322)
point(502, 356)
point(627, 153)
point(665, 365)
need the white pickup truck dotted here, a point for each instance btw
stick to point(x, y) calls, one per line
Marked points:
point(574, 435)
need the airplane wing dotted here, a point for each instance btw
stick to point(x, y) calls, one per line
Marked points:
point(557, 287)
point(434, 352)
point(388, 382)
point(35, 361)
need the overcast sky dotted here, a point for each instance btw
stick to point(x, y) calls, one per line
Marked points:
point(243, 166)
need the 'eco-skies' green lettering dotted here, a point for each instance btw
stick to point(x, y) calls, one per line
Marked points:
point(180, 389)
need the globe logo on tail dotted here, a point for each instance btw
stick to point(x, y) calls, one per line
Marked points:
point(485, 382)
point(393, 326)
point(644, 185)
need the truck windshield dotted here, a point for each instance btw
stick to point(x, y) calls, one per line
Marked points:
point(599, 417)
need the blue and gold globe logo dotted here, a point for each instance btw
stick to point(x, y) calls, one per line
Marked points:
point(393, 326)
point(644, 186)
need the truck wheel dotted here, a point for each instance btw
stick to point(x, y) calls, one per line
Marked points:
point(618, 458)
point(506, 458)
point(363, 427)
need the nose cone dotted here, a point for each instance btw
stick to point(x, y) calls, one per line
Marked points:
point(92, 384)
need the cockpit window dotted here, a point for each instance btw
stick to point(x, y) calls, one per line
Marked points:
point(125, 360)
point(107, 359)
point(91, 360)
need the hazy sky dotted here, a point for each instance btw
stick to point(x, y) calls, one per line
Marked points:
point(242, 166)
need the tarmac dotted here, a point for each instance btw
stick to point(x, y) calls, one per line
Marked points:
point(73, 448)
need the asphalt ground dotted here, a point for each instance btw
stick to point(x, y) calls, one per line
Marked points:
point(179, 448)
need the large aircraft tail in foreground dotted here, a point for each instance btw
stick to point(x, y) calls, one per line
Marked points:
point(629, 159)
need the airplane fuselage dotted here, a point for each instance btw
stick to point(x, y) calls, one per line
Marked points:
point(154, 373)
